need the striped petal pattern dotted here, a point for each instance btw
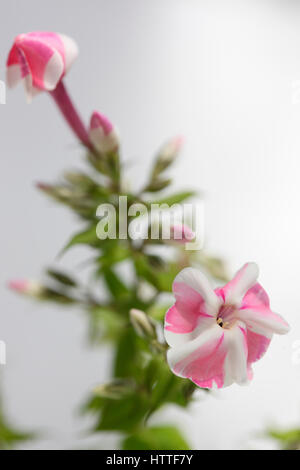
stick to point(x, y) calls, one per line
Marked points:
point(216, 335)
point(40, 59)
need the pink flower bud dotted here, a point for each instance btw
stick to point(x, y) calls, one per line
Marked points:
point(170, 150)
point(102, 134)
point(26, 287)
point(181, 233)
point(41, 59)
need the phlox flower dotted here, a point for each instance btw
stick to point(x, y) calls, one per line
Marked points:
point(41, 59)
point(216, 335)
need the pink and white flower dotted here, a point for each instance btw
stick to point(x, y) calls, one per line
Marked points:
point(216, 335)
point(103, 134)
point(40, 59)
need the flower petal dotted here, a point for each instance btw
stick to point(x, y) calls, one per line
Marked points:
point(194, 292)
point(183, 326)
point(201, 359)
point(236, 367)
point(195, 308)
point(257, 345)
point(45, 63)
point(263, 321)
point(13, 72)
point(13, 75)
point(54, 70)
point(70, 50)
point(46, 56)
point(244, 279)
point(256, 297)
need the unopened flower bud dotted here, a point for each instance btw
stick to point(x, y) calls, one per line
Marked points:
point(115, 389)
point(27, 287)
point(38, 291)
point(79, 179)
point(171, 149)
point(55, 191)
point(181, 233)
point(167, 155)
point(142, 324)
point(102, 134)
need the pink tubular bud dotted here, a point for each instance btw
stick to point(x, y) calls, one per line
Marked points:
point(27, 287)
point(102, 134)
point(181, 233)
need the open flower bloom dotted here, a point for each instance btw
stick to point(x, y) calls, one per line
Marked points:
point(41, 59)
point(102, 134)
point(216, 335)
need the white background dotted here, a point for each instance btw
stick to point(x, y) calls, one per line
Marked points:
point(223, 73)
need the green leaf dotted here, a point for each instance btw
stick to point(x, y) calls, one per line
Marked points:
point(127, 353)
point(164, 386)
point(156, 438)
point(9, 436)
point(86, 237)
point(166, 277)
point(175, 198)
point(63, 278)
point(105, 324)
point(158, 185)
point(288, 439)
point(158, 312)
point(144, 270)
point(116, 254)
point(115, 285)
point(122, 415)
point(161, 277)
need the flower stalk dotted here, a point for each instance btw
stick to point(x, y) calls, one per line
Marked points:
point(67, 108)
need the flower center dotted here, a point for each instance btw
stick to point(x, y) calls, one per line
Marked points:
point(226, 316)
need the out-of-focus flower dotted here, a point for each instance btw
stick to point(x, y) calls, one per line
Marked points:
point(27, 287)
point(181, 233)
point(102, 134)
point(216, 335)
point(41, 59)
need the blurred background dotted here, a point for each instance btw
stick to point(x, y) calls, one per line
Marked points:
point(226, 75)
